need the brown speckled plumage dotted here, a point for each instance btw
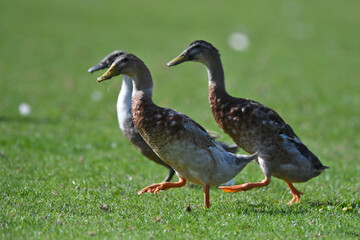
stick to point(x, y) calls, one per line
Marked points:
point(254, 127)
point(161, 126)
point(126, 124)
point(139, 143)
point(175, 138)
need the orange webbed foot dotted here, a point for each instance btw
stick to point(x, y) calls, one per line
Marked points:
point(236, 188)
point(246, 186)
point(154, 188)
point(295, 199)
point(163, 186)
point(296, 194)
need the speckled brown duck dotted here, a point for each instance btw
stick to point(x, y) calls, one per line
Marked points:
point(254, 127)
point(175, 138)
point(123, 108)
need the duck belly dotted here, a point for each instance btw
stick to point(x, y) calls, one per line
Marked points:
point(297, 163)
point(287, 165)
point(192, 163)
point(293, 172)
point(196, 164)
point(279, 159)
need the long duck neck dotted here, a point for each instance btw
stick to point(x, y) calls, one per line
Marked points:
point(123, 105)
point(215, 74)
point(142, 106)
point(142, 91)
point(217, 92)
point(143, 84)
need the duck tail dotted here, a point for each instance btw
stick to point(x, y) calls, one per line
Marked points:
point(233, 148)
point(322, 168)
point(245, 159)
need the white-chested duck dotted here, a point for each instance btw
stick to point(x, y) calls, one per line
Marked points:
point(254, 127)
point(123, 108)
point(175, 138)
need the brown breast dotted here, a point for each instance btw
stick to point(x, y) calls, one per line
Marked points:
point(161, 126)
point(135, 138)
point(247, 122)
point(155, 124)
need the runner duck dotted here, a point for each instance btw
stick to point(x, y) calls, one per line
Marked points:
point(123, 108)
point(175, 138)
point(254, 127)
point(126, 124)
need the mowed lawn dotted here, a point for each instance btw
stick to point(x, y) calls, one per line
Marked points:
point(66, 171)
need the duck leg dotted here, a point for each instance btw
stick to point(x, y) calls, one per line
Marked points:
point(296, 194)
point(206, 189)
point(163, 186)
point(171, 174)
point(246, 186)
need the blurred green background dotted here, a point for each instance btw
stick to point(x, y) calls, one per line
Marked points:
point(302, 60)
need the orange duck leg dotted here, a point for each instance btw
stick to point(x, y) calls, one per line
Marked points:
point(163, 186)
point(246, 186)
point(296, 194)
point(206, 189)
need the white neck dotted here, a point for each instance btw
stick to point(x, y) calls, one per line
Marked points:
point(123, 105)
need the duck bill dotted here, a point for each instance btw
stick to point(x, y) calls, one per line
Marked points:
point(177, 61)
point(107, 75)
point(97, 67)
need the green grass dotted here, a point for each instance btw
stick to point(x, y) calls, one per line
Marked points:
point(68, 158)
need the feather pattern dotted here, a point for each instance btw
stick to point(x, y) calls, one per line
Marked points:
point(177, 139)
point(123, 109)
point(184, 144)
point(254, 127)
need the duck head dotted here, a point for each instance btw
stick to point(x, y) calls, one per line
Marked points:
point(198, 51)
point(107, 61)
point(131, 66)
